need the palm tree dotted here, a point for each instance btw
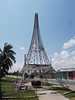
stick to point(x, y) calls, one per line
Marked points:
point(6, 61)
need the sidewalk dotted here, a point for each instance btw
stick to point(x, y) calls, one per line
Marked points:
point(45, 94)
point(49, 95)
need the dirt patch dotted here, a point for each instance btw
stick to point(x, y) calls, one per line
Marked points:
point(73, 98)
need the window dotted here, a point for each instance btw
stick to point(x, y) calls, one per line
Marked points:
point(71, 74)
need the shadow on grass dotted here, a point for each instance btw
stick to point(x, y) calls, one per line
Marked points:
point(60, 88)
point(46, 84)
point(5, 80)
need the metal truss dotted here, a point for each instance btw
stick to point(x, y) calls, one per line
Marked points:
point(36, 59)
point(36, 53)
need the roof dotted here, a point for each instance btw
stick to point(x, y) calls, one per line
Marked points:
point(66, 69)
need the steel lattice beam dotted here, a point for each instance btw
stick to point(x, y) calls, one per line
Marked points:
point(36, 53)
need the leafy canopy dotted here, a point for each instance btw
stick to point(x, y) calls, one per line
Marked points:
point(7, 59)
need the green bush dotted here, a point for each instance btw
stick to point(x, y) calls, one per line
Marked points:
point(36, 83)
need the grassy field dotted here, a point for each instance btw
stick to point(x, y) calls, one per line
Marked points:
point(8, 90)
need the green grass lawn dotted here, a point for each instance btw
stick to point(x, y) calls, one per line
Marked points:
point(46, 84)
point(62, 91)
point(8, 90)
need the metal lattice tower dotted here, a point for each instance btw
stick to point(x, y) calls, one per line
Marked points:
point(36, 53)
point(37, 58)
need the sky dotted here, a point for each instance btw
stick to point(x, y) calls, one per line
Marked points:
point(57, 29)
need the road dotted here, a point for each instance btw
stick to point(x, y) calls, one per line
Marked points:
point(68, 82)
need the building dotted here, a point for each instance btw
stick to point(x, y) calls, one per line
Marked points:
point(67, 73)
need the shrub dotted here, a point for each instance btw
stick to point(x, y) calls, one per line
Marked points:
point(36, 83)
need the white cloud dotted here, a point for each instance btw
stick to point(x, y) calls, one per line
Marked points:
point(64, 54)
point(22, 48)
point(16, 66)
point(64, 59)
point(73, 52)
point(69, 44)
point(61, 62)
point(73, 58)
point(56, 54)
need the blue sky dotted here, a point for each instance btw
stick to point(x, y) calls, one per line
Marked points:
point(57, 28)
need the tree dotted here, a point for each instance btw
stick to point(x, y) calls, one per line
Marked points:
point(6, 61)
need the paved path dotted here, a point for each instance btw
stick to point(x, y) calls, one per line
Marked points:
point(50, 95)
point(44, 94)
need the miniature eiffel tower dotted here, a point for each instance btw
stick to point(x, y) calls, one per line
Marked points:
point(37, 59)
point(36, 53)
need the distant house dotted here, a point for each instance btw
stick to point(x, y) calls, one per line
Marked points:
point(67, 73)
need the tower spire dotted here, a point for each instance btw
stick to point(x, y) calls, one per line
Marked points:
point(36, 24)
point(36, 53)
